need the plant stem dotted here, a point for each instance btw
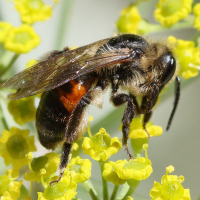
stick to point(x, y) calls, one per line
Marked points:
point(63, 22)
point(104, 182)
point(114, 193)
point(89, 187)
point(3, 120)
point(187, 23)
point(124, 190)
point(129, 192)
point(14, 58)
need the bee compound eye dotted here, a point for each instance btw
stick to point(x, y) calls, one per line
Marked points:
point(169, 70)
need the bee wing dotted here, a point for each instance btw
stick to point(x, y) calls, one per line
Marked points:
point(61, 67)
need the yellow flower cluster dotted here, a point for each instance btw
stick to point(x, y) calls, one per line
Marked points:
point(79, 169)
point(33, 10)
point(49, 162)
point(21, 39)
point(22, 110)
point(129, 20)
point(101, 146)
point(187, 56)
point(14, 145)
point(196, 11)
point(121, 171)
point(64, 190)
point(9, 187)
point(137, 130)
point(4, 29)
point(168, 12)
point(170, 188)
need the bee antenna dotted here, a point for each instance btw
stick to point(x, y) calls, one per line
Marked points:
point(177, 96)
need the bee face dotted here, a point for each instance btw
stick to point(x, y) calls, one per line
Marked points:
point(70, 80)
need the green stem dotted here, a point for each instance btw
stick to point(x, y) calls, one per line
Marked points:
point(3, 120)
point(128, 189)
point(104, 182)
point(124, 190)
point(129, 192)
point(114, 193)
point(89, 187)
point(63, 22)
point(14, 58)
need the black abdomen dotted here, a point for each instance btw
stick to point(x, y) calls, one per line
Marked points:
point(50, 119)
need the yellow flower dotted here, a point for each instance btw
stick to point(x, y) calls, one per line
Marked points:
point(110, 174)
point(80, 168)
point(64, 190)
point(9, 189)
point(49, 162)
point(101, 145)
point(22, 110)
point(31, 62)
point(168, 12)
point(170, 188)
point(137, 169)
point(14, 145)
point(4, 29)
point(21, 39)
point(196, 11)
point(137, 131)
point(187, 56)
point(33, 10)
point(129, 20)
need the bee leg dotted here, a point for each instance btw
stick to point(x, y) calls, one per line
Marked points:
point(137, 107)
point(148, 103)
point(66, 150)
point(71, 130)
point(119, 99)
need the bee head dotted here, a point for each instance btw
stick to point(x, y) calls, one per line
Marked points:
point(168, 64)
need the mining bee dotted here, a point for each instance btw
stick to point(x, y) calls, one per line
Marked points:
point(70, 80)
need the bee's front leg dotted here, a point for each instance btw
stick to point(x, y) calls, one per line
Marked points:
point(148, 103)
point(119, 99)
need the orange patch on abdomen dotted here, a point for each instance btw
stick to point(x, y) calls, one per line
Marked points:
point(70, 99)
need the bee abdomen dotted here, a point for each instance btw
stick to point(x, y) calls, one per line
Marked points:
point(51, 118)
point(55, 108)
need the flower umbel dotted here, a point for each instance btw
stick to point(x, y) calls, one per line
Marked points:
point(170, 188)
point(101, 145)
point(110, 174)
point(21, 39)
point(188, 57)
point(14, 145)
point(129, 20)
point(64, 190)
point(196, 11)
point(49, 162)
point(137, 169)
point(81, 169)
point(22, 110)
point(9, 189)
point(4, 28)
point(31, 62)
point(137, 130)
point(33, 10)
point(168, 12)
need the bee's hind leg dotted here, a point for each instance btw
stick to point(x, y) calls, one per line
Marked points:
point(66, 150)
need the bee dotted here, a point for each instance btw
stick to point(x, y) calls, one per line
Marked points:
point(70, 80)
